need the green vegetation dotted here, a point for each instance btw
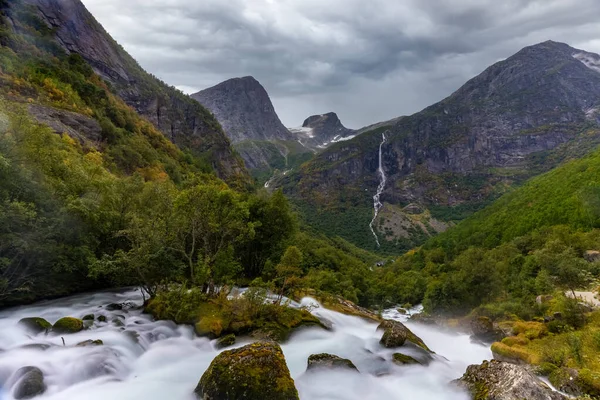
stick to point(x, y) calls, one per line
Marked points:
point(67, 325)
point(529, 242)
point(114, 202)
point(219, 316)
point(273, 158)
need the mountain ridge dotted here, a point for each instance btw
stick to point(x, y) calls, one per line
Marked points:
point(182, 120)
point(519, 117)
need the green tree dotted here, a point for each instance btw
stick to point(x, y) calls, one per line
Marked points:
point(288, 270)
point(209, 218)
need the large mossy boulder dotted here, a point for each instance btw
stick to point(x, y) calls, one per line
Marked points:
point(35, 325)
point(395, 334)
point(30, 383)
point(329, 361)
point(67, 325)
point(496, 380)
point(254, 372)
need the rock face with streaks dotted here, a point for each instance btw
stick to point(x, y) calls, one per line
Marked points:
point(244, 109)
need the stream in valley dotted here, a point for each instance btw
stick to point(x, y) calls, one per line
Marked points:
point(146, 359)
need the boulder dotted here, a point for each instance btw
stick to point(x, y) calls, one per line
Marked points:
point(396, 334)
point(30, 383)
point(329, 361)
point(496, 380)
point(35, 325)
point(424, 319)
point(89, 317)
point(403, 359)
point(483, 329)
point(102, 318)
point(67, 325)
point(90, 342)
point(225, 341)
point(402, 311)
point(254, 372)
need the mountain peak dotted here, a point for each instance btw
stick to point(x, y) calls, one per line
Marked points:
point(329, 118)
point(244, 109)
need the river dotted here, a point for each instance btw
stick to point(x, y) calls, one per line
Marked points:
point(146, 359)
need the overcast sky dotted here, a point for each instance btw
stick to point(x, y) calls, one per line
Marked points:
point(367, 60)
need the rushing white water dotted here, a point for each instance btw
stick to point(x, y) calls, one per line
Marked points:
point(145, 359)
point(377, 205)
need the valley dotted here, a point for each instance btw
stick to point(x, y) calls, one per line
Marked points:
point(155, 243)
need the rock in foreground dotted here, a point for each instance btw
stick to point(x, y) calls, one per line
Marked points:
point(30, 384)
point(254, 372)
point(35, 325)
point(67, 325)
point(396, 334)
point(329, 361)
point(496, 380)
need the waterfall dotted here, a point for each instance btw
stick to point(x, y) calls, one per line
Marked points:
point(376, 199)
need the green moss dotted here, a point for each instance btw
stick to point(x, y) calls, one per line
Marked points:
point(35, 324)
point(254, 372)
point(89, 317)
point(403, 359)
point(67, 325)
point(515, 340)
point(501, 350)
point(226, 341)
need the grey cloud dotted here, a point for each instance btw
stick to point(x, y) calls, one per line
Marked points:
point(366, 60)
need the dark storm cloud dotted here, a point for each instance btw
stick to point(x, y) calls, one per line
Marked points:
point(366, 60)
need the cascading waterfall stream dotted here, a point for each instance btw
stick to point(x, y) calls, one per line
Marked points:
point(377, 205)
point(152, 360)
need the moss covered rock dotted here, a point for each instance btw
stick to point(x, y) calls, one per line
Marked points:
point(496, 380)
point(67, 325)
point(512, 354)
point(403, 359)
point(254, 372)
point(226, 341)
point(396, 334)
point(329, 361)
point(35, 325)
point(89, 317)
point(30, 383)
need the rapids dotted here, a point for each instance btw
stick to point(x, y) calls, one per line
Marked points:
point(146, 359)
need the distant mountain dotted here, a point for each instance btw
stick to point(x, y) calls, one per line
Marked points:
point(520, 117)
point(320, 131)
point(182, 120)
point(244, 109)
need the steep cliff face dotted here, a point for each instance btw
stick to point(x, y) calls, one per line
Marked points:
point(181, 119)
point(244, 109)
point(519, 117)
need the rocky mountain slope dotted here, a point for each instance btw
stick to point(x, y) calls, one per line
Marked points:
point(320, 131)
point(520, 117)
point(181, 119)
point(244, 109)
